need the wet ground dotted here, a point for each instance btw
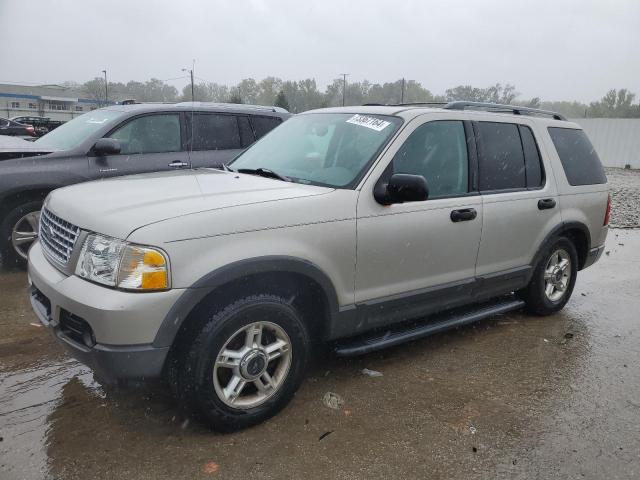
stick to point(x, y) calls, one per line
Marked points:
point(514, 397)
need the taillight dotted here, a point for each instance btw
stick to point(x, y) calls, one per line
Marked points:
point(607, 214)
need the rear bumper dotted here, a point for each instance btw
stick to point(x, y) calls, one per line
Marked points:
point(593, 256)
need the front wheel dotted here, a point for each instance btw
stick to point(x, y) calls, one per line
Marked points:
point(18, 230)
point(553, 279)
point(245, 363)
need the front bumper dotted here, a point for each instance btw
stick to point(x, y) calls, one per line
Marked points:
point(116, 328)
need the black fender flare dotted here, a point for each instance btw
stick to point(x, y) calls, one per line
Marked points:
point(193, 295)
point(557, 232)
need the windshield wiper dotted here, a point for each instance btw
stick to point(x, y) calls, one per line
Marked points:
point(264, 172)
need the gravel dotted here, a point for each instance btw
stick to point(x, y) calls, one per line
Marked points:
point(625, 194)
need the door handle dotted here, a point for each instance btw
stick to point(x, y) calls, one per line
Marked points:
point(179, 164)
point(546, 203)
point(463, 215)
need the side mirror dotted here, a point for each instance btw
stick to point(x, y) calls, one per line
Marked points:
point(106, 146)
point(401, 188)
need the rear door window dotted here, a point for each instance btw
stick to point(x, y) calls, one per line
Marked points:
point(533, 163)
point(579, 159)
point(246, 132)
point(263, 125)
point(215, 132)
point(501, 158)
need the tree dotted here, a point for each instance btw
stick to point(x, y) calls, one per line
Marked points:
point(615, 103)
point(235, 97)
point(94, 90)
point(281, 101)
point(494, 94)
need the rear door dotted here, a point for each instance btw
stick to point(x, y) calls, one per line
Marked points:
point(149, 143)
point(217, 138)
point(520, 202)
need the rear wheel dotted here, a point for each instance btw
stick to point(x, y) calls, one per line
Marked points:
point(553, 279)
point(244, 364)
point(18, 231)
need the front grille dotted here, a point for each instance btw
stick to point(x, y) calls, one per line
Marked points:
point(57, 236)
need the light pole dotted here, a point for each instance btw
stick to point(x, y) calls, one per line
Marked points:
point(191, 73)
point(344, 86)
point(402, 92)
point(106, 87)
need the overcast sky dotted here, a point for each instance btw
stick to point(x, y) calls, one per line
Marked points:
point(556, 49)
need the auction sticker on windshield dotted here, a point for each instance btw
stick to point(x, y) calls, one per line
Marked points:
point(369, 122)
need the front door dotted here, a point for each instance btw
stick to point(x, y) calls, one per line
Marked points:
point(148, 143)
point(418, 257)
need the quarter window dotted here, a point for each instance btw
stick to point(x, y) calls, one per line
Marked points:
point(437, 151)
point(263, 125)
point(579, 159)
point(501, 158)
point(149, 134)
point(215, 132)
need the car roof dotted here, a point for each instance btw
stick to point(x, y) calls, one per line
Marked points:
point(410, 111)
point(200, 106)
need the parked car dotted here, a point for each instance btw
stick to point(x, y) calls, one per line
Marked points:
point(120, 140)
point(343, 225)
point(16, 129)
point(42, 125)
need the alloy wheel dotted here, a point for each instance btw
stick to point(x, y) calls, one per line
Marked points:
point(252, 365)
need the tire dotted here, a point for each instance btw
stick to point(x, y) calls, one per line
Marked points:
point(202, 378)
point(17, 215)
point(540, 299)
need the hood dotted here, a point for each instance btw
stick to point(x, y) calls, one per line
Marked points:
point(121, 205)
point(13, 147)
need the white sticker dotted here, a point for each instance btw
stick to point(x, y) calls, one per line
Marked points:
point(369, 122)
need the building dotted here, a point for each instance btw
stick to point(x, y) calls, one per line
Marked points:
point(54, 101)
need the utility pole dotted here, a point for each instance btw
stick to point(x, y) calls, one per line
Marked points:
point(106, 88)
point(193, 66)
point(402, 92)
point(344, 86)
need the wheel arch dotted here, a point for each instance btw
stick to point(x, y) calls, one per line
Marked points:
point(301, 281)
point(34, 192)
point(579, 235)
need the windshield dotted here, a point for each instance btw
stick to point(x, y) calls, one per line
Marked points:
point(331, 149)
point(74, 132)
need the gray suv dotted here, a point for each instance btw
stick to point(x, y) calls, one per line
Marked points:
point(119, 140)
point(364, 227)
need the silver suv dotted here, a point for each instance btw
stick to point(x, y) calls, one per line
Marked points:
point(341, 225)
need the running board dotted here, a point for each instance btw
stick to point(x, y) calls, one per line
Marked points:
point(436, 323)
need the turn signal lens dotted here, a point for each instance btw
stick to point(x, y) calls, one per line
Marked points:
point(143, 268)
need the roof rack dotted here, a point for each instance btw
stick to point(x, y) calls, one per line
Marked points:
point(516, 110)
point(417, 104)
point(235, 105)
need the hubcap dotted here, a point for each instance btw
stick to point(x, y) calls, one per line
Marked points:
point(252, 365)
point(25, 232)
point(557, 275)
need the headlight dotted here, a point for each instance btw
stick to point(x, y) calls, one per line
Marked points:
point(119, 264)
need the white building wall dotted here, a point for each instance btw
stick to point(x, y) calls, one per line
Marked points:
point(617, 140)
